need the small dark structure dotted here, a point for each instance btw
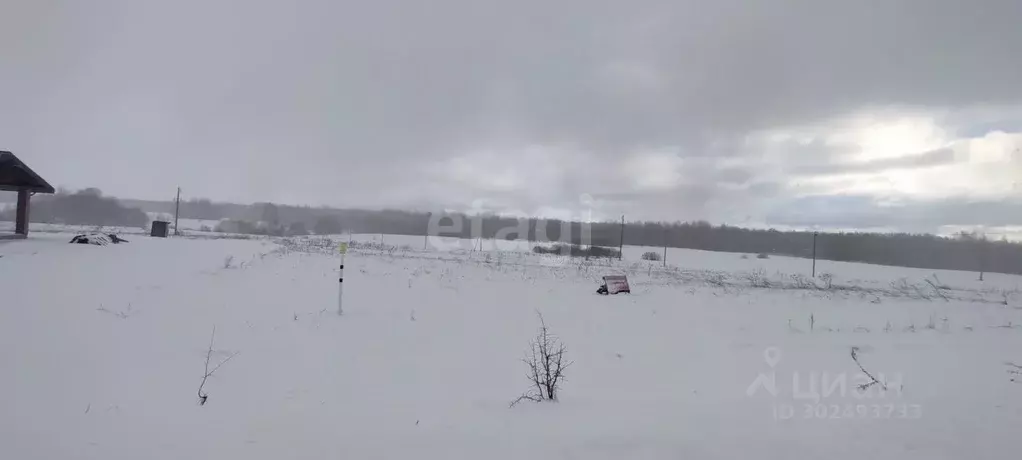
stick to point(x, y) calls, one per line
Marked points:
point(15, 176)
point(160, 229)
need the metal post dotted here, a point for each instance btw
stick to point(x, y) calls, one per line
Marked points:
point(177, 209)
point(621, 245)
point(814, 254)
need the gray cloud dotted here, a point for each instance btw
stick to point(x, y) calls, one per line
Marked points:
point(857, 211)
point(354, 103)
point(939, 157)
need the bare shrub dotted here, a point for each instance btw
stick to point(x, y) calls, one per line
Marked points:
point(584, 265)
point(873, 380)
point(763, 255)
point(546, 366)
point(902, 286)
point(920, 293)
point(209, 372)
point(758, 278)
point(1015, 371)
point(938, 287)
point(802, 282)
point(577, 250)
point(828, 279)
point(938, 284)
point(125, 314)
point(718, 279)
point(650, 255)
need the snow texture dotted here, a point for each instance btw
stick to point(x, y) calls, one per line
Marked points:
point(713, 356)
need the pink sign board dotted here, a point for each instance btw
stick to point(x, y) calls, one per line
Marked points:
point(616, 284)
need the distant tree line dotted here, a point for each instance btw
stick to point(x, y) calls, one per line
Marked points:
point(84, 207)
point(969, 252)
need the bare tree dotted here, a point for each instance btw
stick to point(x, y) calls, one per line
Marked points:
point(209, 372)
point(546, 364)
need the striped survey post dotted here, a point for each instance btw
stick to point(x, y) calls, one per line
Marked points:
point(340, 281)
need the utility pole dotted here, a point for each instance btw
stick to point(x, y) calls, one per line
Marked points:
point(982, 256)
point(177, 209)
point(665, 246)
point(814, 253)
point(425, 232)
point(621, 245)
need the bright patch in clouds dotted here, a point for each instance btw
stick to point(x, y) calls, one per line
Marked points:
point(886, 153)
point(892, 136)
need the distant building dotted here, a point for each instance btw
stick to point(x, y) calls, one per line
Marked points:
point(16, 176)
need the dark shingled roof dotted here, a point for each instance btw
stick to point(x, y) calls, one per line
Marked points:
point(15, 175)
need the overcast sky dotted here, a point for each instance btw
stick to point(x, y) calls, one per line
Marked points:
point(879, 114)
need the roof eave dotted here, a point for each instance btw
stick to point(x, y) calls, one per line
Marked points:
point(41, 185)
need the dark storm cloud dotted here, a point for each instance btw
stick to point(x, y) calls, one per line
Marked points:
point(347, 103)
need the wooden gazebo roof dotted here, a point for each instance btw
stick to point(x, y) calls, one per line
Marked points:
point(16, 176)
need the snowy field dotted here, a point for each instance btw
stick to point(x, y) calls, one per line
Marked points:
point(187, 227)
point(712, 356)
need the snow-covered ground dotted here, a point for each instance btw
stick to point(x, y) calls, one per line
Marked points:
point(713, 356)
